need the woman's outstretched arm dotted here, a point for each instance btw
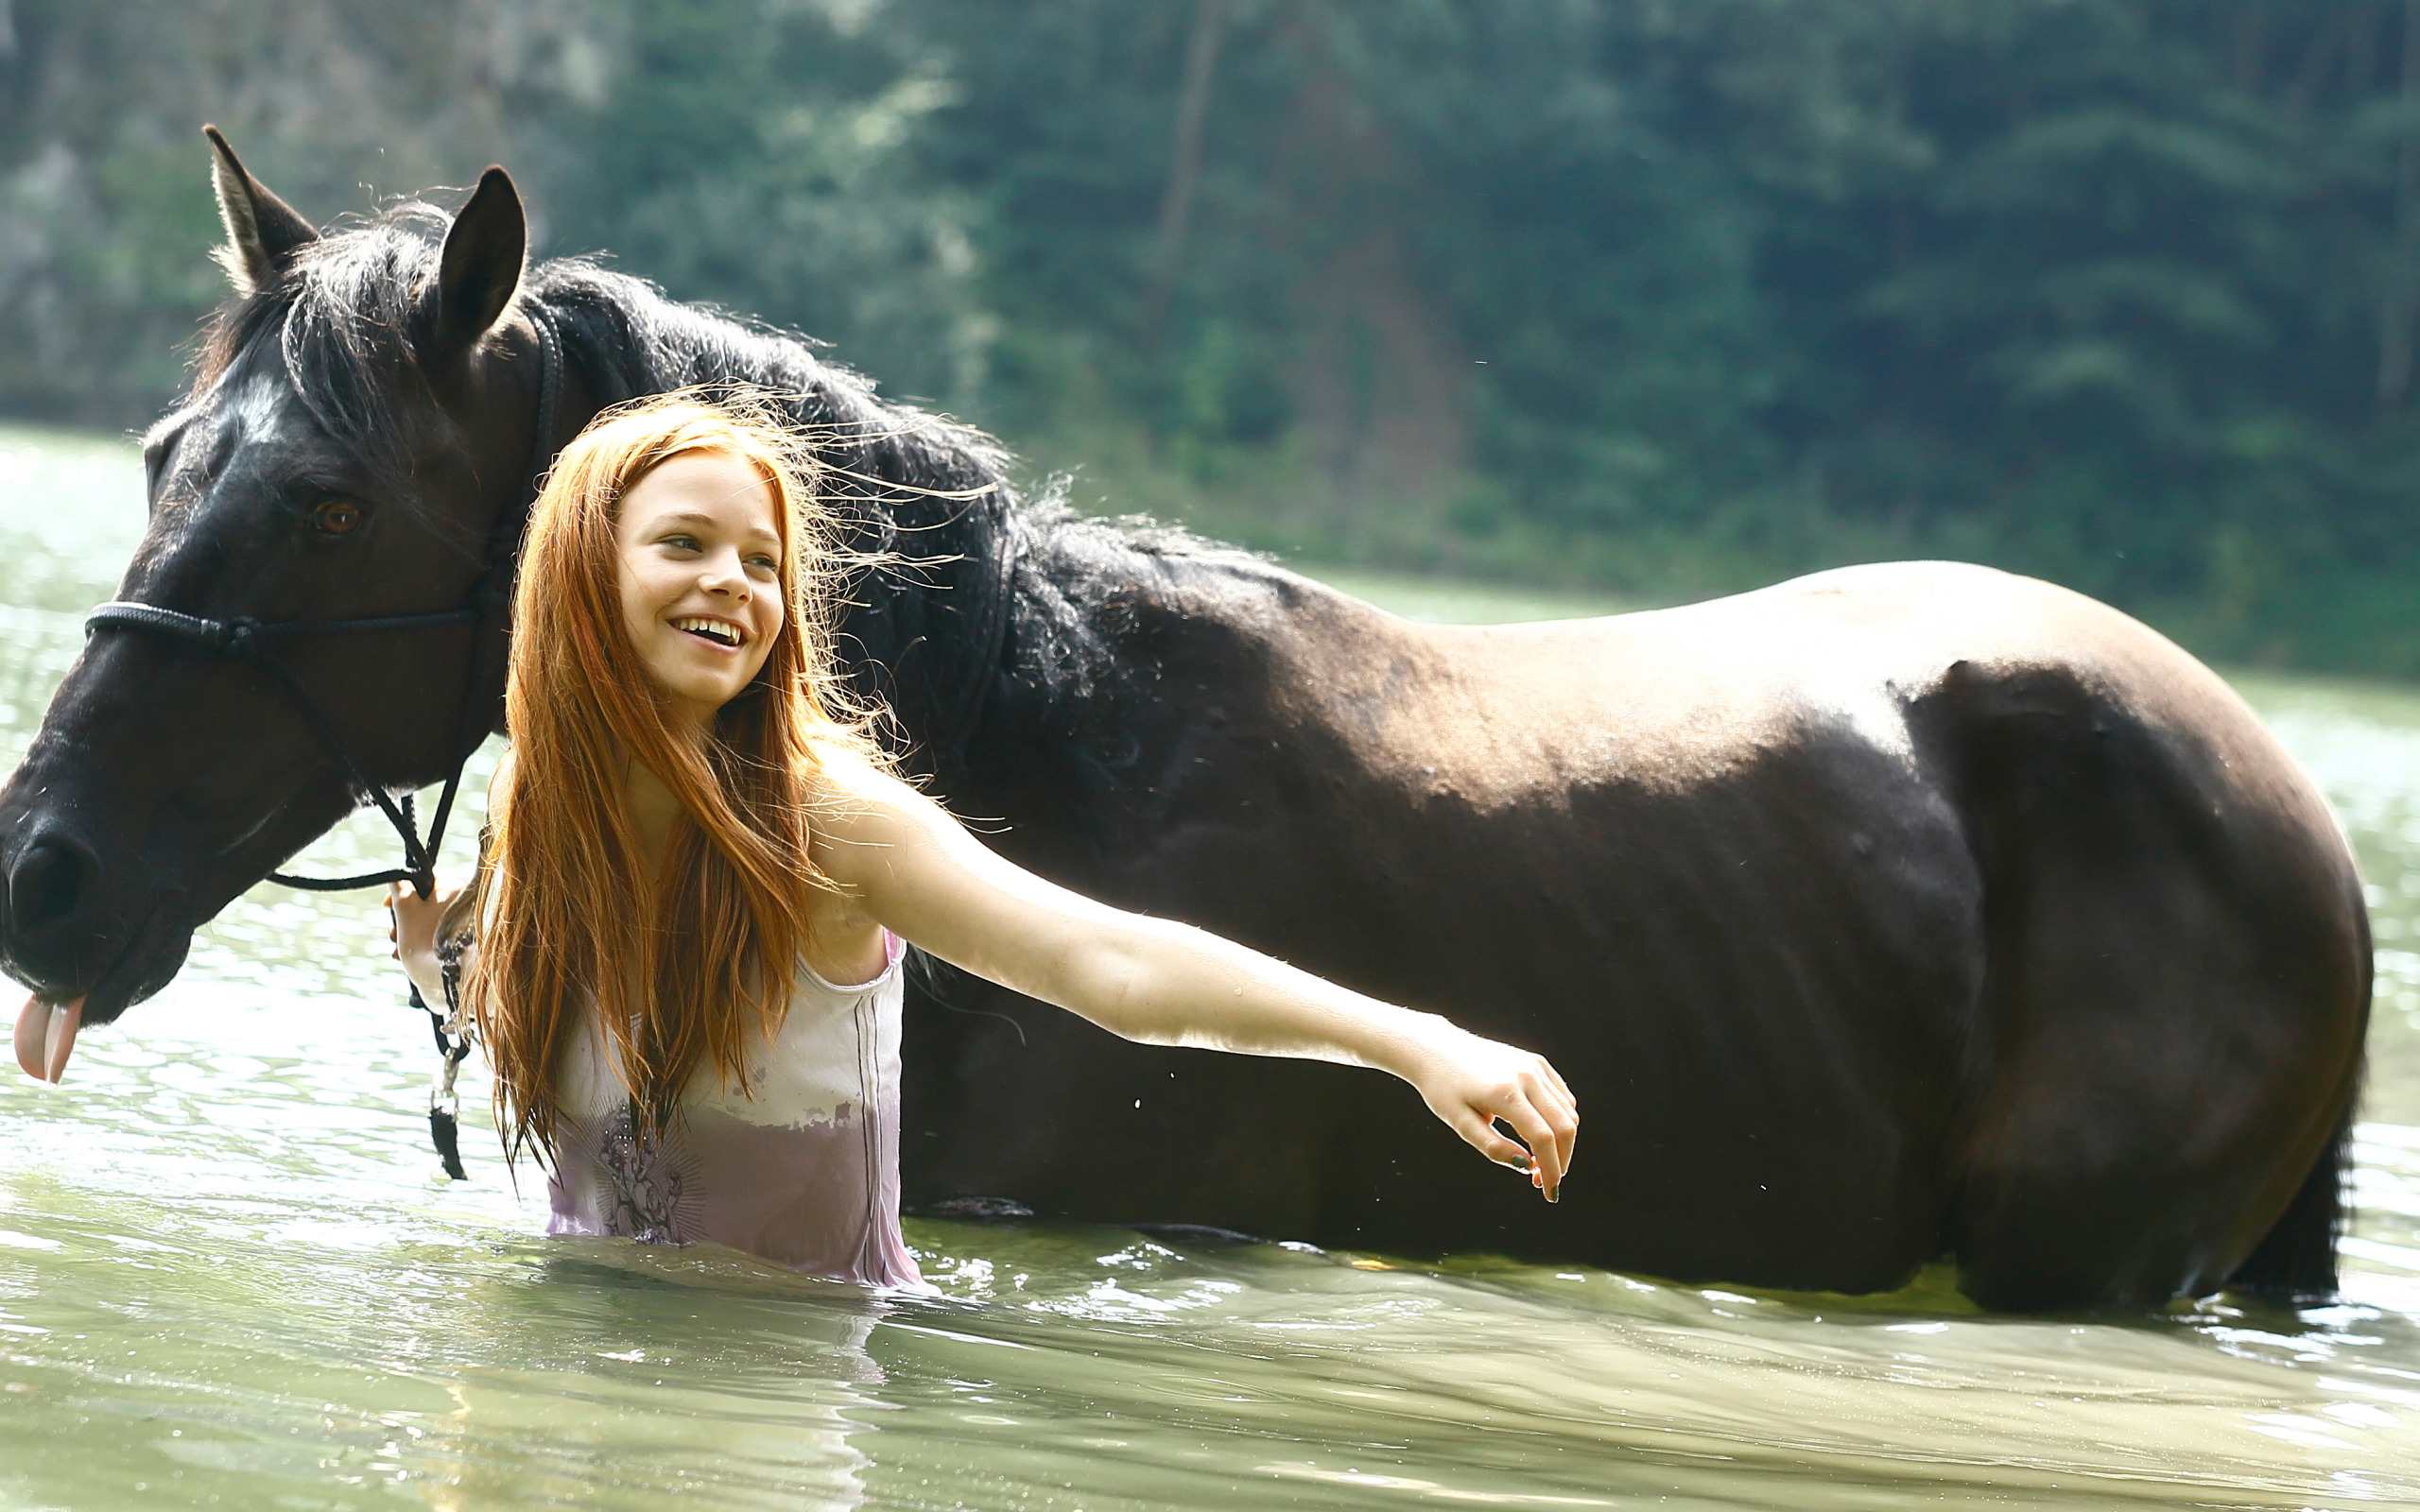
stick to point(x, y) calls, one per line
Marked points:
point(907, 865)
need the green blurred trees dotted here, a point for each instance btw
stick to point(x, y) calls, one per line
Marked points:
point(1667, 295)
point(752, 153)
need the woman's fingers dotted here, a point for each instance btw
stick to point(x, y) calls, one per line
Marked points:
point(1485, 1084)
point(1554, 1101)
point(1539, 1135)
point(1555, 1077)
point(1553, 1129)
point(1480, 1132)
point(1541, 1151)
point(412, 920)
point(1562, 1111)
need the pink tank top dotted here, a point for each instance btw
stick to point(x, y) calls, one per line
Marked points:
point(803, 1171)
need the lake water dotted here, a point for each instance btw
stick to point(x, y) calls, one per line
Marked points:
point(231, 1275)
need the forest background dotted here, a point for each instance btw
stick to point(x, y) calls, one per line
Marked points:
point(1657, 297)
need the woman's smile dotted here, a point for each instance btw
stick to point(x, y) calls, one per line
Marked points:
point(722, 633)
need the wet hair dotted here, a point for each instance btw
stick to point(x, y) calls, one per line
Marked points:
point(687, 963)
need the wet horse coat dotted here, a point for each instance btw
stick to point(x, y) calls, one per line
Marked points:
point(1892, 913)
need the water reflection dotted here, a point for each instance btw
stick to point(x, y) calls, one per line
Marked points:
point(597, 1380)
point(230, 1274)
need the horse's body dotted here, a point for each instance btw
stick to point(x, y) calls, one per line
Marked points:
point(1889, 914)
point(1891, 911)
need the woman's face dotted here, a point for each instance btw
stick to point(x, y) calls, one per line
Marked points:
point(702, 577)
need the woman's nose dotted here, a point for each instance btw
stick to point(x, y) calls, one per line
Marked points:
point(725, 575)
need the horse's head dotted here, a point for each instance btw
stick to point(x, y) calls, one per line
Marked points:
point(361, 415)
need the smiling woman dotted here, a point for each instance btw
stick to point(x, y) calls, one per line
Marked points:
point(686, 763)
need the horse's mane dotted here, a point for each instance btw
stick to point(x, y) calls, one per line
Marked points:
point(345, 320)
point(348, 314)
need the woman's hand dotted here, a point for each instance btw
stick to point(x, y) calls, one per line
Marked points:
point(1472, 1084)
point(412, 923)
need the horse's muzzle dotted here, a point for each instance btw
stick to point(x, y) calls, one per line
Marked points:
point(60, 932)
point(50, 880)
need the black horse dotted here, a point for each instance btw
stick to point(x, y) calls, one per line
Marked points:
point(1892, 913)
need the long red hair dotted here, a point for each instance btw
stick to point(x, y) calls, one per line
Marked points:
point(686, 966)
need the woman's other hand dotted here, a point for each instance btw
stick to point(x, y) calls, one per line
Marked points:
point(1472, 1084)
point(412, 923)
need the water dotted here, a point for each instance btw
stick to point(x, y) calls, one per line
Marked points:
point(229, 1275)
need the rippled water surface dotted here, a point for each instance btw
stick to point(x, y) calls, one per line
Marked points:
point(229, 1275)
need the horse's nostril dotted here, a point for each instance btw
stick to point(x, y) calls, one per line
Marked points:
point(50, 881)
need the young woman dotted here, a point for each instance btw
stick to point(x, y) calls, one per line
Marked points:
point(694, 844)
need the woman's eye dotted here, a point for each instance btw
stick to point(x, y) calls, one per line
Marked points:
point(682, 542)
point(337, 517)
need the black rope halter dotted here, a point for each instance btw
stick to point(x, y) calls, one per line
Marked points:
point(255, 643)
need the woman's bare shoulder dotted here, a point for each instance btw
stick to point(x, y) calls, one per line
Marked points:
point(851, 783)
point(869, 813)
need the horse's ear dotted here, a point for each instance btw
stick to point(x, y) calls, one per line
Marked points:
point(262, 229)
point(481, 266)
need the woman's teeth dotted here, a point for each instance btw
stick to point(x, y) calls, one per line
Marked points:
point(714, 631)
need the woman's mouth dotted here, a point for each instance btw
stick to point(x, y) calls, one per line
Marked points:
point(719, 632)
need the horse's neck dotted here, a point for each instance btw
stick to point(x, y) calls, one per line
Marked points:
point(923, 634)
point(1105, 642)
point(627, 341)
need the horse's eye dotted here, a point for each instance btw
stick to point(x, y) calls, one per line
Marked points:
point(336, 517)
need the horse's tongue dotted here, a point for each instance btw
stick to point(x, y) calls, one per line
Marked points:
point(46, 1036)
point(33, 1028)
point(61, 1042)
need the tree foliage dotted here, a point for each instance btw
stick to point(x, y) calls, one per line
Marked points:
point(1670, 295)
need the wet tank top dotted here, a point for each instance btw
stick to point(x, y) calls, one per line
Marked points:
point(804, 1173)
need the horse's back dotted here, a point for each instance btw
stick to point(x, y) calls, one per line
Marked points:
point(2006, 894)
point(1832, 643)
